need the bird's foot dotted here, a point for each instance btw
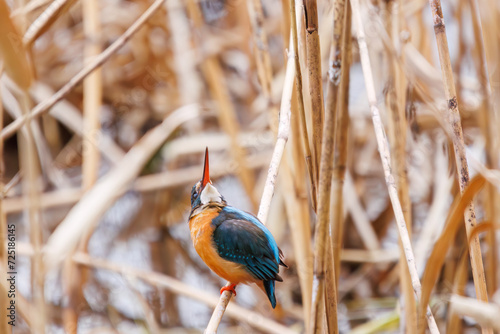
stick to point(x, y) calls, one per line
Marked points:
point(229, 288)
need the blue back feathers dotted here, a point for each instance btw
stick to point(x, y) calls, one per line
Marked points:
point(249, 217)
point(240, 237)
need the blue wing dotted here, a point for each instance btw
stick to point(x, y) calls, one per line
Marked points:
point(240, 237)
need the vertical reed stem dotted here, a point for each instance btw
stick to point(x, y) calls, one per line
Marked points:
point(74, 277)
point(327, 245)
point(30, 168)
point(453, 119)
point(386, 161)
point(487, 123)
point(395, 104)
point(298, 83)
point(313, 58)
point(92, 94)
point(297, 207)
point(343, 64)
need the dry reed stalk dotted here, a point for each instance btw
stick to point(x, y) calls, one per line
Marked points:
point(228, 120)
point(453, 119)
point(462, 48)
point(337, 106)
point(263, 60)
point(189, 81)
point(491, 24)
point(335, 62)
point(297, 208)
point(86, 213)
point(446, 239)
point(13, 53)
point(486, 314)
point(29, 7)
point(45, 20)
point(45, 106)
point(92, 94)
point(341, 106)
point(333, 159)
point(386, 161)
point(14, 108)
point(313, 58)
point(396, 104)
point(454, 323)
point(488, 128)
point(74, 278)
point(52, 133)
point(330, 322)
point(29, 166)
point(285, 23)
point(300, 97)
point(265, 203)
point(234, 311)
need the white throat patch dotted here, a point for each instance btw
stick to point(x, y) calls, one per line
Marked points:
point(210, 194)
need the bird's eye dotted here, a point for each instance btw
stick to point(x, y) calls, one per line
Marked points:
point(195, 195)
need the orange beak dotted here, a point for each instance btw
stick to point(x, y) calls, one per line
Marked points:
point(206, 175)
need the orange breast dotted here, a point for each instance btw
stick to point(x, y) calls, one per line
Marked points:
point(201, 234)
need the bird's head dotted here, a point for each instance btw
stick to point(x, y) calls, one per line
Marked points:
point(203, 192)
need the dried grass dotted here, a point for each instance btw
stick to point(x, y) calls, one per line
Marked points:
point(106, 108)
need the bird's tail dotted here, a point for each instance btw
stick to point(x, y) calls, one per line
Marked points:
point(269, 288)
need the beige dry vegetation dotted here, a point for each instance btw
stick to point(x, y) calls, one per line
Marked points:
point(363, 133)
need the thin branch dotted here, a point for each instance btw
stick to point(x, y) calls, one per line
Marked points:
point(395, 104)
point(265, 203)
point(45, 106)
point(44, 20)
point(453, 119)
point(237, 312)
point(383, 148)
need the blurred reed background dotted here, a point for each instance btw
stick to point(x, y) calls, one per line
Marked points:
point(97, 162)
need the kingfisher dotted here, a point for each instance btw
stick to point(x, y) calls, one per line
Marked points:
point(233, 243)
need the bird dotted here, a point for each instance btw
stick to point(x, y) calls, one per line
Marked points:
point(233, 243)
